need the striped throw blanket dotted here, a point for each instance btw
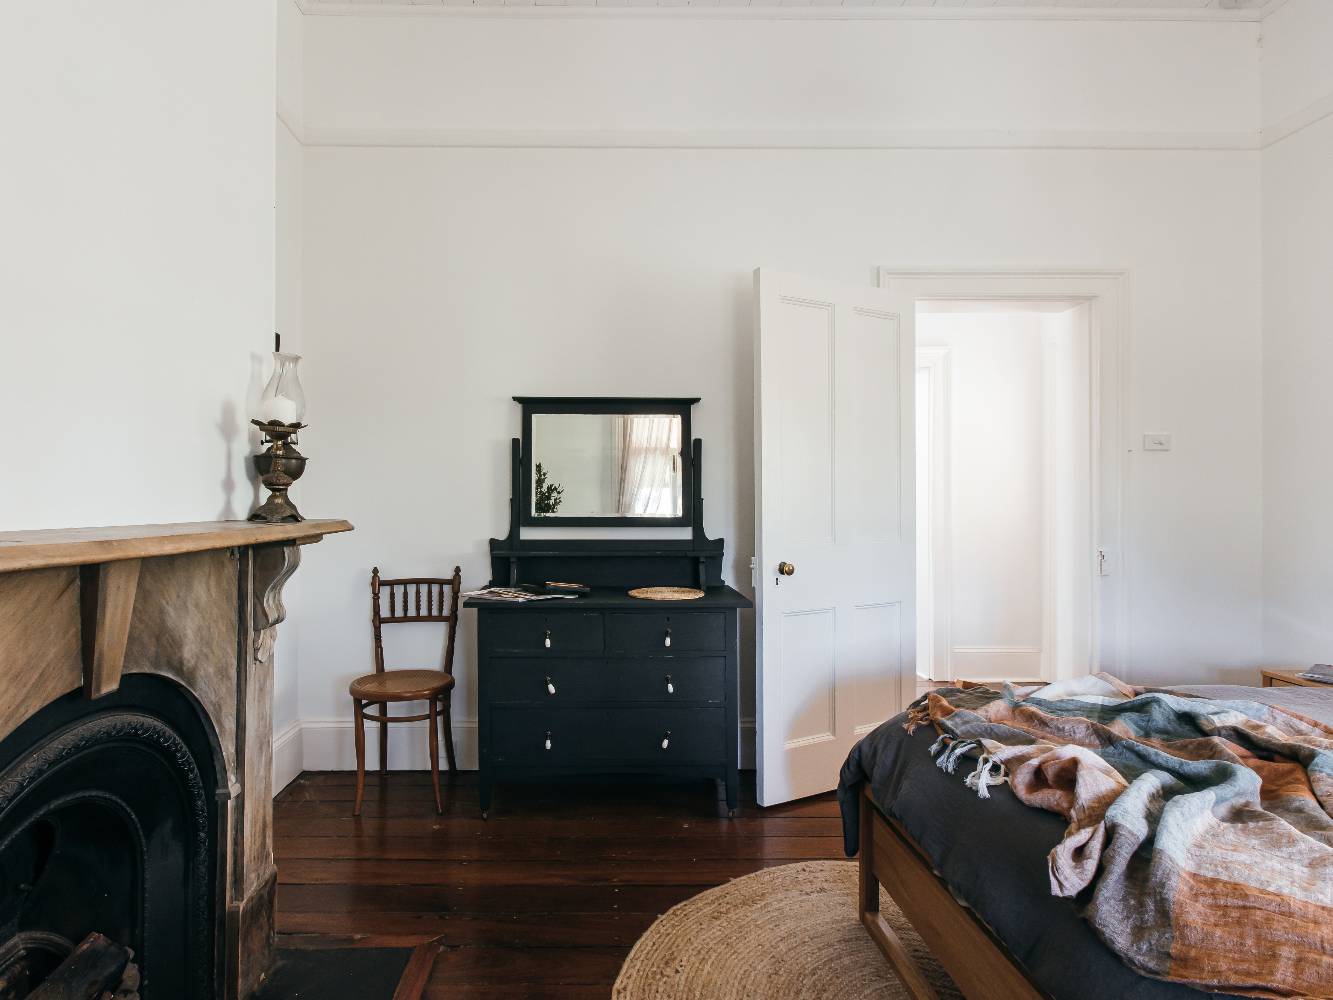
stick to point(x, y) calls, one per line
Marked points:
point(1200, 837)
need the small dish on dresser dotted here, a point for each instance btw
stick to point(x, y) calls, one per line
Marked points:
point(561, 587)
point(667, 593)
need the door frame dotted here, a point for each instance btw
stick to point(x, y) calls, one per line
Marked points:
point(1107, 293)
point(937, 599)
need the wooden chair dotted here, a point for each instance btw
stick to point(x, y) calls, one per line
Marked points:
point(414, 599)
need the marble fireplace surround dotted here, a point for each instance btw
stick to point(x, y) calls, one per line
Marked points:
point(197, 603)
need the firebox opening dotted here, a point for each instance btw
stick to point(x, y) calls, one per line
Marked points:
point(84, 852)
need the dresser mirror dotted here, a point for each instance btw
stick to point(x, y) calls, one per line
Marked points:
point(606, 461)
point(601, 681)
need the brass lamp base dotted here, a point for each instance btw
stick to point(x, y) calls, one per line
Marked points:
point(279, 465)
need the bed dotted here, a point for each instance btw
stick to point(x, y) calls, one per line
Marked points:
point(971, 875)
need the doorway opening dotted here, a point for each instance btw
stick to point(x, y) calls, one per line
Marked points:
point(1006, 453)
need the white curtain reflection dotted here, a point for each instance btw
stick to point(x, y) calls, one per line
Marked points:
point(647, 454)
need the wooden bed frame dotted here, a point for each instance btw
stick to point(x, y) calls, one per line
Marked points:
point(976, 960)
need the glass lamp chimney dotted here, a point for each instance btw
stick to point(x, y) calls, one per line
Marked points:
point(283, 399)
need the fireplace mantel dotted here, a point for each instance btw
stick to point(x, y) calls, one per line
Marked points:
point(21, 550)
point(83, 609)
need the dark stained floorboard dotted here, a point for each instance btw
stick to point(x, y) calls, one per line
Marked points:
point(542, 900)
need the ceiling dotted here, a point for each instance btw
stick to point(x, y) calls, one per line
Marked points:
point(940, 6)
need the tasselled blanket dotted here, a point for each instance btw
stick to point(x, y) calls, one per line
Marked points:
point(1200, 836)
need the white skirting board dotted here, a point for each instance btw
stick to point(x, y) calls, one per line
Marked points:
point(327, 745)
point(287, 763)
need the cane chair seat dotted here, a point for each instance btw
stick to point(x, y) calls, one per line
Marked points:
point(401, 685)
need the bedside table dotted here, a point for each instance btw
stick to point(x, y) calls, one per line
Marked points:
point(1288, 678)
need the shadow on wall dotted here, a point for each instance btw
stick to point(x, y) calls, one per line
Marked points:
point(237, 433)
point(229, 429)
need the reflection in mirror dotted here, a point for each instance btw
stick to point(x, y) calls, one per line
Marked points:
point(606, 465)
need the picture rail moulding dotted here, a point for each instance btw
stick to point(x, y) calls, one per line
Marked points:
point(776, 11)
point(315, 135)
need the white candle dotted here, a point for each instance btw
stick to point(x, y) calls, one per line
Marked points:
point(280, 410)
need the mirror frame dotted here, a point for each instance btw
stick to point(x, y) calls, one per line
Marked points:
point(675, 406)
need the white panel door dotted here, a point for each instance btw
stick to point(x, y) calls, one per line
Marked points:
point(834, 496)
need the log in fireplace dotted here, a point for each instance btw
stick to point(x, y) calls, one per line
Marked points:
point(135, 757)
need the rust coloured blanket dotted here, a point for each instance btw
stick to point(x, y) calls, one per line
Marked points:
point(1200, 831)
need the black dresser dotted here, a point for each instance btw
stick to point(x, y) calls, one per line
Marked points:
point(605, 684)
point(609, 684)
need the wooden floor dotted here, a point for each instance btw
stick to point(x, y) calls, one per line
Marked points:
point(542, 900)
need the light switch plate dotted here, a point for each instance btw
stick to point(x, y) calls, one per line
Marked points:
point(1157, 442)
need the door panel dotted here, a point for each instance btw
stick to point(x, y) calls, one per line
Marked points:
point(874, 663)
point(835, 499)
point(807, 675)
point(806, 418)
point(869, 427)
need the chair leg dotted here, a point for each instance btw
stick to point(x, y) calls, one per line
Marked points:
point(384, 741)
point(359, 732)
point(434, 745)
point(447, 702)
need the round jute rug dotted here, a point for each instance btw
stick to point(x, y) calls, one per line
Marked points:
point(785, 932)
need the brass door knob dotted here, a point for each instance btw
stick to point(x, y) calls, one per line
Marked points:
point(786, 568)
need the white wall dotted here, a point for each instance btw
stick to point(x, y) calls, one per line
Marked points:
point(137, 269)
point(1298, 333)
point(439, 281)
point(998, 490)
point(289, 274)
point(441, 277)
point(443, 281)
point(432, 77)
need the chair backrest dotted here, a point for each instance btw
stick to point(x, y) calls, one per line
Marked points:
point(415, 599)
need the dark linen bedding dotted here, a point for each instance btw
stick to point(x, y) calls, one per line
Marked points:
point(993, 853)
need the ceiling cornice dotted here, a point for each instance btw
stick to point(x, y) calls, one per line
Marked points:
point(778, 12)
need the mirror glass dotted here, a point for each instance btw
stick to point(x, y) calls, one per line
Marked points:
point(606, 465)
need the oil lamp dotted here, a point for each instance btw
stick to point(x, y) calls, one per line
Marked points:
point(278, 415)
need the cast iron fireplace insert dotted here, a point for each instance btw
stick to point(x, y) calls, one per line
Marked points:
point(109, 822)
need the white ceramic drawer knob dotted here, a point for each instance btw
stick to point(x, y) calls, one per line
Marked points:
point(546, 640)
point(548, 740)
point(550, 686)
point(666, 640)
point(671, 688)
point(666, 740)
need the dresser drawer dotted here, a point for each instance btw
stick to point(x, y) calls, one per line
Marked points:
point(551, 680)
point(550, 633)
point(683, 632)
point(625, 736)
point(684, 679)
point(690, 735)
point(551, 737)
